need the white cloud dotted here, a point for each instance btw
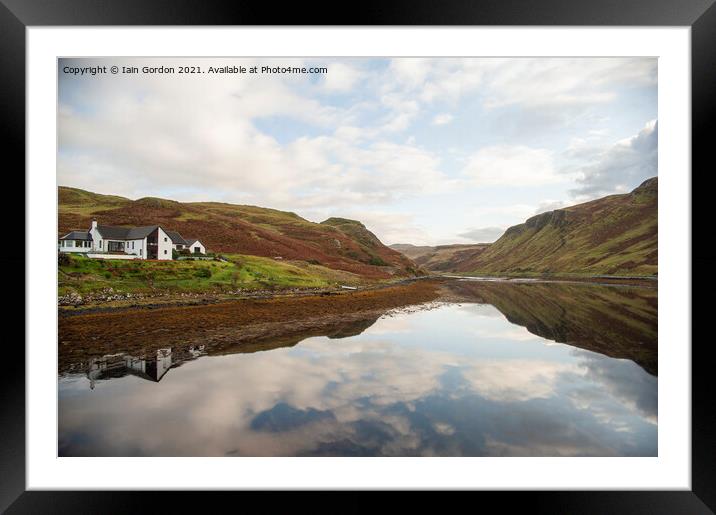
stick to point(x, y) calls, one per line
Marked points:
point(517, 380)
point(341, 77)
point(131, 139)
point(483, 234)
point(532, 83)
point(442, 119)
point(550, 205)
point(286, 141)
point(620, 167)
point(562, 82)
point(506, 165)
point(410, 71)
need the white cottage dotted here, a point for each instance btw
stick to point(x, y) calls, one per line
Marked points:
point(107, 241)
point(195, 246)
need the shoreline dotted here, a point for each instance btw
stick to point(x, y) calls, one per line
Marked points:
point(228, 323)
point(165, 300)
point(604, 280)
point(256, 324)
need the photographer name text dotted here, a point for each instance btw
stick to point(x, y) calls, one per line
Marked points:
point(191, 70)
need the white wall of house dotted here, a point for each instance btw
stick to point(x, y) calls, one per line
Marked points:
point(165, 246)
point(72, 246)
point(112, 256)
point(136, 247)
point(197, 243)
point(97, 244)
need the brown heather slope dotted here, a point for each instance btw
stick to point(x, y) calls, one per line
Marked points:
point(443, 258)
point(336, 243)
point(614, 235)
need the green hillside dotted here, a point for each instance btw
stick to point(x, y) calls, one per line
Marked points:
point(337, 243)
point(614, 235)
point(82, 276)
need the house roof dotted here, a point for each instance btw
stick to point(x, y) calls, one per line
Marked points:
point(77, 235)
point(176, 238)
point(110, 232)
point(191, 241)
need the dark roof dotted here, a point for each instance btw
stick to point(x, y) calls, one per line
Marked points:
point(137, 233)
point(191, 241)
point(110, 232)
point(176, 238)
point(77, 235)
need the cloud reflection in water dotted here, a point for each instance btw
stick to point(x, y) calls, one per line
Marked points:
point(455, 381)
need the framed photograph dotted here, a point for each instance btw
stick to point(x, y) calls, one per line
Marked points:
point(421, 249)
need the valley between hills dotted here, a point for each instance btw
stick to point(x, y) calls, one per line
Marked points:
point(262, 251)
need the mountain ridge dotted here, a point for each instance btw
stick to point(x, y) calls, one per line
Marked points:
point(612, 235)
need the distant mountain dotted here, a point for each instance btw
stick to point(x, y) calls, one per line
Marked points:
point(614, 235)
point(336, 243)
point(443, 258)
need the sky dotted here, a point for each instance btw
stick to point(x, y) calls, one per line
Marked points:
point(422, 151)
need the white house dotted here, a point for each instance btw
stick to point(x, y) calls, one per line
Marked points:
point(195, 246)
point(107, 241)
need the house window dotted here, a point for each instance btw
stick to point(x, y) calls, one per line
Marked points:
point(165, 251)
point(100, 243)
point(165, 240)
point(115, 246)
point(140, 252)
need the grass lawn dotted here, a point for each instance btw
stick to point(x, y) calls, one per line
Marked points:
point(83, 275)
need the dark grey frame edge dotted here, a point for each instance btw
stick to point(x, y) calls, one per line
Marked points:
point(16, 15)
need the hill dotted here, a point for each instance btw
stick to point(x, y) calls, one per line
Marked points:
point(443, 258)
point(618, 322)
point(336, 243)
point(613, 235)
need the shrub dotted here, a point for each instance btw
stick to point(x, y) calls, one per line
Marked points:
point(63, 259)
point(108, 275)
point(203, 272)
point(376, 261)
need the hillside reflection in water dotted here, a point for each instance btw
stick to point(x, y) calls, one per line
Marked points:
point(482, 376)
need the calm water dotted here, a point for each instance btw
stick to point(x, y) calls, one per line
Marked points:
point(480, 377)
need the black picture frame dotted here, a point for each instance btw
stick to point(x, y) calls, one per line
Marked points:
point(17, 15)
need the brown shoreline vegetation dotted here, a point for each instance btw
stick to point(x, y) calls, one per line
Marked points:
point(621, 325)
point(230, 322)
